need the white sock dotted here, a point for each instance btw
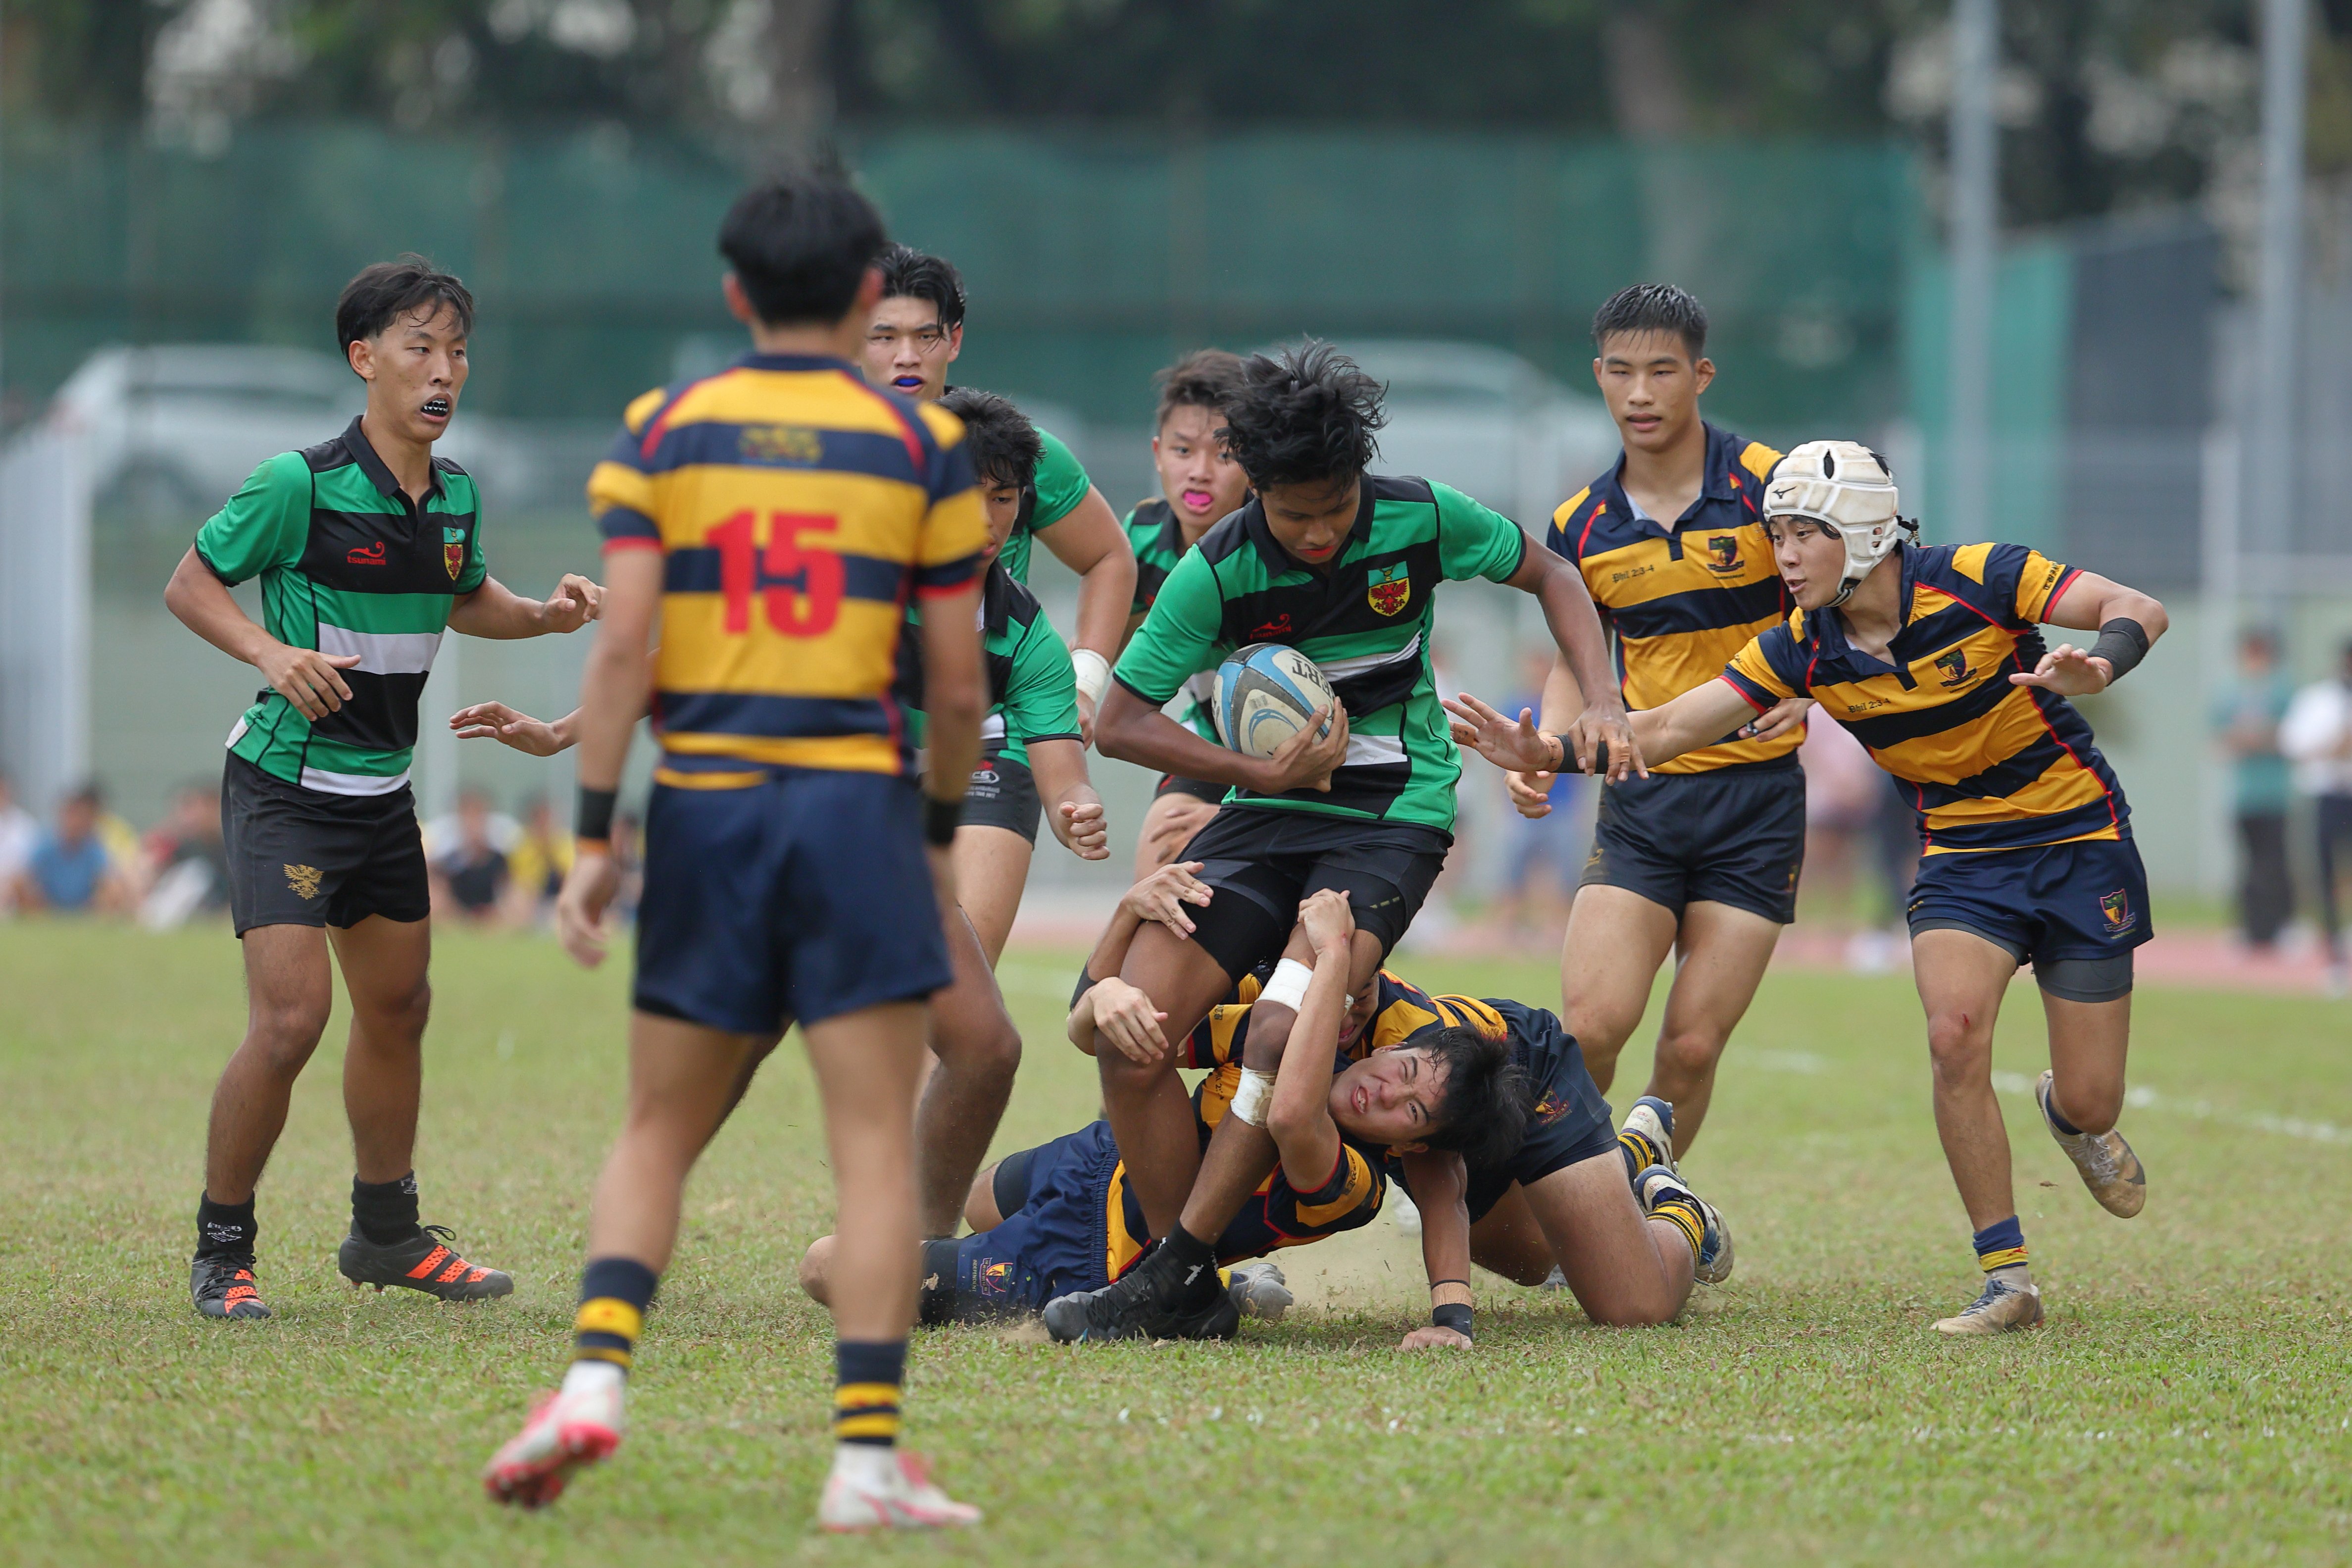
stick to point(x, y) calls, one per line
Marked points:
point(590, 1376)
point(865, 1464)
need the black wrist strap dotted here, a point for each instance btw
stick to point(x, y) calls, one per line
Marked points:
point(941, 820)
point(592, 819)
point(1455, 1315)
point(2123, 643)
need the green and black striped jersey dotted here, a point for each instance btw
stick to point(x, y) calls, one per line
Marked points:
point(1032, 688)
point(348, 565)
point(1159, 543)
point(1367, 624)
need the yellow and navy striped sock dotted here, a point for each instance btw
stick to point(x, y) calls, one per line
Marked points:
point(614, 1295)
point(2001, 1245)
point(1681, 1210)
point(866, 1393)
point(1640, 1153)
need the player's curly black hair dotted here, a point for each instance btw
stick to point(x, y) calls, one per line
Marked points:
point(1003, 445)
point(1483, 1115)
point(908, 273)
point(1305, 416)
point(1653, 308)
point(1205, 378)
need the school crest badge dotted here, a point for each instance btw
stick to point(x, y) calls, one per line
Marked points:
point(1723, 554)
point(1389, 587)
point(2115, 909)
point(1955, 666)
point(995, 1278)
point(453, 551)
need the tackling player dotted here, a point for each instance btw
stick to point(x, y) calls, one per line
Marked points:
point(369, 548)
point(771, 520)
point(1344, 566)
point(1700, 860)
point(1199, 484)
point(1933, 659)
point(916, 332)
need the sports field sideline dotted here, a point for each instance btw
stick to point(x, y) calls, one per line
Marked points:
point(2188, 1401)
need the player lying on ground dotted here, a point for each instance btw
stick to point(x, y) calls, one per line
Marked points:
point(786, 842)
point(1199, 485)
point(369, 548)
point(1057, 1219)
point(916, 332)
point(1700, 860)
point(1932, 658)
point(1344, 566)
point(1032, 722)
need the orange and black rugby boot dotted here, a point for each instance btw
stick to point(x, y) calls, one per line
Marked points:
point(223, 1285)
point(426, 1261)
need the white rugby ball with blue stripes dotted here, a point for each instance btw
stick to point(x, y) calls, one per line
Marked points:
point(1266, 693)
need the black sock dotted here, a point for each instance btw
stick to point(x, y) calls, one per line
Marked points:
point(385, 1212)
point(1185, 1269)
point(224, 1230)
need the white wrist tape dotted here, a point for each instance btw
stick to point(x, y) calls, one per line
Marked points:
point(1094, 673)
point(1288, 986)
point(1250, 1097)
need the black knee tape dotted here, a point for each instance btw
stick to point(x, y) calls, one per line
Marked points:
point(2084, 979)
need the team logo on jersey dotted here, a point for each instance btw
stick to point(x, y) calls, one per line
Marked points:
point(365, 555)
point(1389, 587)
point(1955, 666)
point(2116, 908)
point(995, 1278)
point(780, 444)
point(1274, 630)
point(1725, 550)
point(453, 551)
point(304, 881)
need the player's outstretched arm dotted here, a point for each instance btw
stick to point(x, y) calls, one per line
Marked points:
point(312, 681)
point(1298, 1117)
point(497, 612)
point(1110, 1003)
point(496, 721)
point(1073, 810)
point(1584, 647)
point(2128, 623)
point(1090, 543)
point(611, 697)
point(1441, 1190)
point(1699, 717)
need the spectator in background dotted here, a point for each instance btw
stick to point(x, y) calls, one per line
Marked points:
point(1545, 853)
point(468, 861)
point(70, 870)
point(2317, 735)
point(536, 869)
point(2247, 715)
point(187, 870)
point(19, 831)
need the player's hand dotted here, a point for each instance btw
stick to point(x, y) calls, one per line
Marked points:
point(575, 602)
point(1513, 745)
point(1777, 720)
point(1306, 760)
point(1163, 896)
point(496, 721)
point(307, 678)
point(1080, 826)
point(1125, 1015)
point(2068, 671)
point(1601, 726)
point(588, 890)
point(1530, 793)
point(1327, 920)
point(1432, 1337)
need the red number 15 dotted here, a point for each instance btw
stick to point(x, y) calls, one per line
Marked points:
point(805, 610)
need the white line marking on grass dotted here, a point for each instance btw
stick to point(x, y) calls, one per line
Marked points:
point(2142, 1097)
point(1789, 1061)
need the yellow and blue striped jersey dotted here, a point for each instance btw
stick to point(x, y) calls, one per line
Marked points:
point(1682, 597)
point(797, 510)
point(1989, 766)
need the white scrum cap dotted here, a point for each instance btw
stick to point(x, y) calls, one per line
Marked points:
point(1849, 489)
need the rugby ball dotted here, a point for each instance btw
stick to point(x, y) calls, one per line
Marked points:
point(1266, 693)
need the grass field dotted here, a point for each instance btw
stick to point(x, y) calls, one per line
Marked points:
point(2188, 1400)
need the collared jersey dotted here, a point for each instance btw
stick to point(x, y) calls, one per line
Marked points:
point(1033, 689)
point(1682, 598)
point(1158, 539)
point(1989, 765)
point(1059, 485)
point(348, 565)
point(797, 510)
point(1367, 624)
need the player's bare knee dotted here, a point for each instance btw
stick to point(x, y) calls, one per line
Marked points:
point(2092, 1102)
point(1959, 1046)
point(1687, 1057)
point(281, 1032)
point(816, 1265)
